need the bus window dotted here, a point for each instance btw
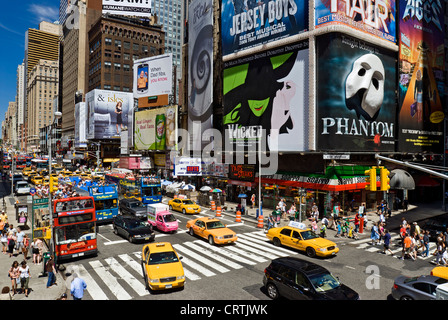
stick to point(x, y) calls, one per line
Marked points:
point(105, 204)
point(74, 233)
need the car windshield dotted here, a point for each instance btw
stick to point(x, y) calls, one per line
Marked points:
point(188, 202)
point(162, 257)
point(136, 224)
point(169, 218)
point(307, 235)
point(215, 225)
point(324, 282)
point(136, 204)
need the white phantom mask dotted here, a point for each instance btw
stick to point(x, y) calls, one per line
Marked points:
point(364, 86)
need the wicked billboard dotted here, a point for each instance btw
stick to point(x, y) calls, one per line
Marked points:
point(356, 101)
point(267, 91)
point(421, 72)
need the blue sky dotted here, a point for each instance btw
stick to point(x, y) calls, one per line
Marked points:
point(15, 18)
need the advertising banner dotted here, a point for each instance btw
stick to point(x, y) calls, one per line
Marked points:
point(156, 129)
point(376, 17)
point(355, 95)
point(267, 91)
point(200, 70)
point(109, 113)
point(141, 8)
point(80, 125)
point(247, 24)
point(421, 74)
point(187, 167)
point(153, 76)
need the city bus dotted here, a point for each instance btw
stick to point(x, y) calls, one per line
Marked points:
point(106, 200)
point(147, 189)
point(74, 231)
point(40, 164)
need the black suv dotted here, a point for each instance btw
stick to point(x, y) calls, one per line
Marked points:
point(133, 229)
point(298, 279)
point(133, 207)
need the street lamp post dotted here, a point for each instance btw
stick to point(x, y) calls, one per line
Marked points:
point(57, 116)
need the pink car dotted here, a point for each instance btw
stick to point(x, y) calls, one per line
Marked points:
point(164, 221)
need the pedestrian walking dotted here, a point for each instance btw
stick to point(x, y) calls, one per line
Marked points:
point(35, 251)
point(20, 235)
point(425, 252)
point(4, 241)
point(386, 245)
point(11, 243)
point(439, 251)
point(357, 222)
point(26, 246)
point(374, 234)
point(51, 270)
point(25, 276)
point(13, 274)
point(407, 242)
point(77, 287)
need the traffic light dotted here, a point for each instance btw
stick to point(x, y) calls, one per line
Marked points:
point(51, 185)
point(371, 179)
point(384, 178)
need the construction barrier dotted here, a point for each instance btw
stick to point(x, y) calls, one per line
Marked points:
point(238, 216)
point(175, 196)
point(218, 211)
point(213, 205)
point(260, 222)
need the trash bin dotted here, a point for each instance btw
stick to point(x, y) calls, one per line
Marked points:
point(258, 212)
point(46, 257)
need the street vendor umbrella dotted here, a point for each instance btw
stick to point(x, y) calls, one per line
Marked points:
point(242, 195)
point(166, 183)
point(216, 190)
point(205, 188)
point(188, 187)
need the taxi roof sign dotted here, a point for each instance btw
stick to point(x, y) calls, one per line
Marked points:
point(298, 225)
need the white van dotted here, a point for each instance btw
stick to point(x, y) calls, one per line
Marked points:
point(442, 292)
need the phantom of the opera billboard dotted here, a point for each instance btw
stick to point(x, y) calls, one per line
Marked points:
point(356, 100)
point(267, 91)
point(247, 24)
point(421, 76)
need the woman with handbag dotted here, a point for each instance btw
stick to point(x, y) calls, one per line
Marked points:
point(14, 274)
point(11, 243)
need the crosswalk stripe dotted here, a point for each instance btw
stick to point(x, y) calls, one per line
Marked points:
point(213, 255)
point(244, 245)
point(264, 247)
point(110, 281)
point(190, 275)
point(267, 244)
point(249, 255)
point(138, 287)
point(226, 253)
point(197, 267)
point(196, 256)
point(131, 262)
point(93, 288)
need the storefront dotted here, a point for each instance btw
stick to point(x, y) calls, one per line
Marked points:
point(342, 186)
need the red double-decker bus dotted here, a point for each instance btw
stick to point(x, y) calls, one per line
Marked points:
point(74, 232)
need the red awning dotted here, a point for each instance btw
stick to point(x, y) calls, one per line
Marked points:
point(426, 181)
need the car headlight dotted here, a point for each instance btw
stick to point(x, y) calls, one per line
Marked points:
point(180, 277)
point(219, 237)
point(153, 280)
point(322, 249)
point(137, 236)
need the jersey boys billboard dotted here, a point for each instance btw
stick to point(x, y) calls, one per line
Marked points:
point(421, 69)
point(356, 103)
point(376, 17)
point(246, 24)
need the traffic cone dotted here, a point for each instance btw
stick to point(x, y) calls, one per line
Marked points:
point(238, 216)
point(260, 222)
point(213, 205)
point(218, 211)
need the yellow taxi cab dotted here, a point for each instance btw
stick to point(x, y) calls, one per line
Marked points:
point(441, 272)
point(66, 173)
point(184, 206)
point(37, 179)
point(296, 235)
point(85, 175)
point(161, 266)
point(46, 181)
point(211, 229)
point(26, 171)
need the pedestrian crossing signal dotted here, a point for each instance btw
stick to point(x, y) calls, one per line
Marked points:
point(370, 179)
point(384, 178)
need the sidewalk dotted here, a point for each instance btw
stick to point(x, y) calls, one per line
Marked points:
point(38, 282)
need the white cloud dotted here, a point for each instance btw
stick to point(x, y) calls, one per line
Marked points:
point(44, 13)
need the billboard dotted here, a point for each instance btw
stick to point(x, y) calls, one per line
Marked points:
point(376, 17)
point(156, 129)
point(421, 77)
point(355, 95)
point(141, 8)
point(247, 24)
point(267, 91)
point(153, 76)
point(200, 70)
point(109, 113)
point(80, 125)
point(185, 166)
